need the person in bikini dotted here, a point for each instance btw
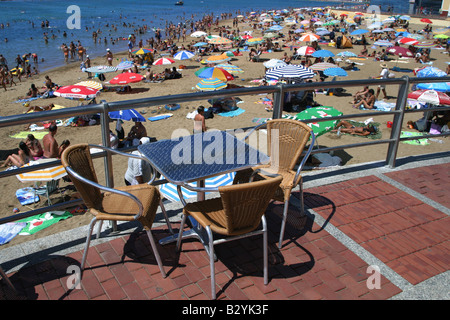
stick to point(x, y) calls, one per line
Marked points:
point(368, 102)
point(346, 127)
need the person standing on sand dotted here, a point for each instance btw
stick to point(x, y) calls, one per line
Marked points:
point(199, 120)
point(109, 57)
point(383, 75)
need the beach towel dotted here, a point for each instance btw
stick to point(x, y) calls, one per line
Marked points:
point(42, 221)
point(417, 142)
point(381, 105)
point(233, 113)
point(9, 230)
point(26, 196)
point(26, 100)
point(24, 134)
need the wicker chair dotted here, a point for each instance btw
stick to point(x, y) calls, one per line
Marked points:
point(236, 214)
point(291, 137)
point(128, 203)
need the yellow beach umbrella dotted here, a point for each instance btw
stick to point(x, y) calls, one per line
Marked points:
point(46, 174)
point(217, 58)
point(91, 84)
point(220, 40)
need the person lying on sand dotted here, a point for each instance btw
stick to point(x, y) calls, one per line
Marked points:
point(346, 127)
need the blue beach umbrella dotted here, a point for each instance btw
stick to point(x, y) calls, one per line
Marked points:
point(358, 32)
point(169, 190)
point(322, 54)
point(124, 65)
point(127, 115)
point(437, 86)
point(383, 43)
point(335, 72)
point(200, 44)
point(430, 72)
point(183, 55)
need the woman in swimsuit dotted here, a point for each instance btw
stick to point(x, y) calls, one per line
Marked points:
point(346, 127)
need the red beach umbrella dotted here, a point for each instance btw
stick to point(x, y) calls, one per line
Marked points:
point(408, 41)
point(426, 20)
point(76, 92)
point(126, 77)
point(430, 96)
point(400, 51)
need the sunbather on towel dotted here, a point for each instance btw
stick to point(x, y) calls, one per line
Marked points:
point(346, 127)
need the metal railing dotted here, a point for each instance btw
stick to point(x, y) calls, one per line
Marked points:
point(278, 92)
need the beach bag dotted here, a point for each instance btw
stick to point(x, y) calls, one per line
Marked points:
point(435, 128)
point(209, 114)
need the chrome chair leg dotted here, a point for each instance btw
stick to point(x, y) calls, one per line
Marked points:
point(283, 222)
point(156, 253)
point(211, 263)
point(163, 209)
point(265, 250)
point(88, 242)
point(180, 233)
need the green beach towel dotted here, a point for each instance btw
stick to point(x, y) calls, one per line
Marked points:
point(417, 142)
point(41, 221)
point(24, 134)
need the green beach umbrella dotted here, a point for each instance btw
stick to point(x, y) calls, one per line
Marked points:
point(321, 127)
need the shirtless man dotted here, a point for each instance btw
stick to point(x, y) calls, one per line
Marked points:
point(137, 132)
point(51, 149)
point(199, 120)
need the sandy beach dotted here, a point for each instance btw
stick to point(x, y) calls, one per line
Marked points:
point(71, 74)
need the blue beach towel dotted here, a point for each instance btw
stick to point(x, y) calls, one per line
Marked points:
point(26, 196)
point(233, 113)
point(9, 230)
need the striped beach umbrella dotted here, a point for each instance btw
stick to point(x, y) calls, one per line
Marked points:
point(305, 51)
point(210, 84)
point(425, 44)
point(321, 66)
point(46, 174)
point(101, 69)
point(163, 61)
point(289, 71)
point(90, 84)
point(308, 37)
point(169, 190)
point(142, 51)
point(254, 41)
point(183, 55)
point(214, 72)
point(430, 96)
point(231, 68)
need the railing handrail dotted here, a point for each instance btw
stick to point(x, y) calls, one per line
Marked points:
point(278, 91)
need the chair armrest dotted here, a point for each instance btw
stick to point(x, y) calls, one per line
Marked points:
point(305, 158)
point(192, 188)
point(259, 126)
point(129, 155)
point(108, 189)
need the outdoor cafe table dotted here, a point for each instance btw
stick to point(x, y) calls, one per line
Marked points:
point(197, 157)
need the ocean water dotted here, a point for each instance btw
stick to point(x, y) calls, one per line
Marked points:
point(22, 22)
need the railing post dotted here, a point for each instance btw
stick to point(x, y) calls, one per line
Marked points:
point(397, 122)
point(278, 102)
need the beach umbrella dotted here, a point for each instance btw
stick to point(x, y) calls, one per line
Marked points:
point(270, 35)
point(289, 71)
point(408, 41)
point(321, 66)
point(214, 72)
point(198, 34)
point(101, 69)
point(416, 36)
point(441, 36)
point(230, 68)
point(441, 30)
point(246, 37)
point(335, 72)
point(163, 61)
point(358, 32)
point(437, 86)
point(124, 65)
point(425, 44)
point(430, 72)
point(211, 84)
point(217, 59)
point(183, 55)
point(254, 41)
point(275, 28)
point(430, 96)
point(273, 63)
point(127, 115)
point(404, 17)
point(308, 37)
point(142, 51)
point(220, 40)
point(383, 43)
point(76, 92)
point(91, 84)
point(400, 51)
point(425, 20)
point(347, 54)
point(321, 127)
point(169, 190)
point(126, 78)
point(305, 51)
point(46, 174)
point(200, 44)
point(322, 54)
point(323, 32)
